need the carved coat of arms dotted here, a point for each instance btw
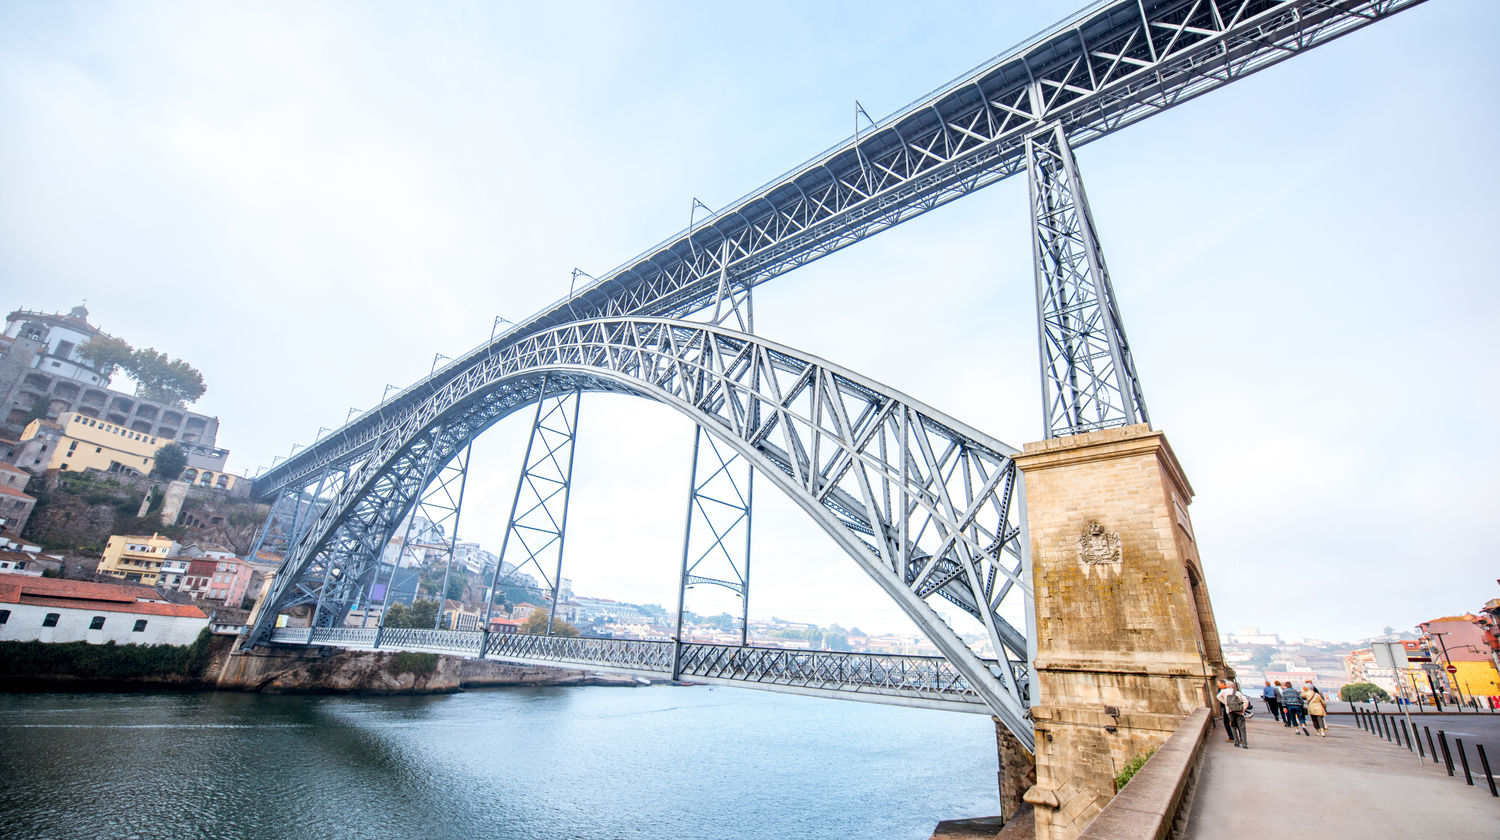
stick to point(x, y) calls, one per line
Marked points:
point(1098, 545)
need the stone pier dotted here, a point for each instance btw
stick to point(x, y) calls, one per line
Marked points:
point(1126, 641)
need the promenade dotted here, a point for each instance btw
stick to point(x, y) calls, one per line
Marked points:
point(1350, 784)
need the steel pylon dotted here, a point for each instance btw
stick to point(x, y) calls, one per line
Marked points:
point(538, 524)
point(1088, 376)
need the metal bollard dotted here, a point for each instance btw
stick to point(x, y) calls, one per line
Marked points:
point(1406, 735)
point(1484, 762)
point(1418, 739)
point(1463, 757)
point(1385, 727)
point(1431, 748)
point(1447, 756)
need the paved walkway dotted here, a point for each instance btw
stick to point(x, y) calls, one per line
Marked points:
point(1349, 784)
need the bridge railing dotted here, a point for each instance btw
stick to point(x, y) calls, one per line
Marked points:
point(832, 670)
point(928, 677)
point(631, 654)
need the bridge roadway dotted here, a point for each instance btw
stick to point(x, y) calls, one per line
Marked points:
point(1111, 65)
point(929, 682)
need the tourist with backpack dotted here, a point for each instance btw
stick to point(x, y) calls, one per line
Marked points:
point(1234, 705)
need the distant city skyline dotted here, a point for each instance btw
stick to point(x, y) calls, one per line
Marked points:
point(308, 202)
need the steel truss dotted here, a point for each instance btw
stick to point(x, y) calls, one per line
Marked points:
point(926, 505)
point(539, 511)
point(923, 681)
point(1088, 376)
point(1110, 66)
point(721, 489)
point(441, 503)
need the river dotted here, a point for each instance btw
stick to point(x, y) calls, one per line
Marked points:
point(591, 762)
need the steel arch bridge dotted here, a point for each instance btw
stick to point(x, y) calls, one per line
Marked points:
point(926, 505)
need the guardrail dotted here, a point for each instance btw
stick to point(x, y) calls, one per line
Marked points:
point(1395, 729)
point(1155, 804)
point(912, 680)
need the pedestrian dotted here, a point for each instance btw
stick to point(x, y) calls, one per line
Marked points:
point(1273, 704)
point(1224, 712)
point(1317, 709)
point(1234, 705)
point(1291, 704)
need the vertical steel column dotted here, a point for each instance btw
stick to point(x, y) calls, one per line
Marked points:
point(458, 505)
point(1088, 376)
point(539, 510)
point(721, 502)
point(385, 597)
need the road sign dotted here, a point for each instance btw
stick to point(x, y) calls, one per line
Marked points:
point(1389, 654)
point(1452, 669)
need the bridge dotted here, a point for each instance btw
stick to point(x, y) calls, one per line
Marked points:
point(926, 505)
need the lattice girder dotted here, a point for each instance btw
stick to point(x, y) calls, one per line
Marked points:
point(924, 503)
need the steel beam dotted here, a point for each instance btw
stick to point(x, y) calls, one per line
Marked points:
point(1088, 376)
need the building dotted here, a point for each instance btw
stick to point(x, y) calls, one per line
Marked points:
point(222, 579)
point(505, 626)
point(137, 559)
point(42, 371)
point(1459, 641)
point(172, 572)
point(460, 617)
point(53, 610)
point(86, 443)
point(19, 563)
point(15, 503)
point(35, 452)
point(205, 467)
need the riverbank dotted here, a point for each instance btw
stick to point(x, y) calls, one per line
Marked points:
point(210, 664)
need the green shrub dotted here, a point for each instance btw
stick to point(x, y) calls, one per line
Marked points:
point(108, 661)
point(420, 664)
point(1128, 772)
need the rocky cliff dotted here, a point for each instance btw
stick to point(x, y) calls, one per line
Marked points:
point(379, 672)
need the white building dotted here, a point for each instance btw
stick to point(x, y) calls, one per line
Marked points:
point(53, 610)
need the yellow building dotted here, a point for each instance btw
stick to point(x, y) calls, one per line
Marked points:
point(1476, 679)
point(90, 443)
point(136, 559)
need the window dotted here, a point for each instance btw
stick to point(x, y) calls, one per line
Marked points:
point(98, 449)
point(4, 616)
point(140, 626)
point(50, 620)
point(97, 623)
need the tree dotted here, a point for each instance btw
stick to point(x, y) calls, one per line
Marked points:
point(422, 613)
point(536, 625)
point(1363, 693)
point(170, 461)
point(170, 381)
point(107, 354)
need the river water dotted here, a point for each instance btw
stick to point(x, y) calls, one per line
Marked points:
point(590, 762)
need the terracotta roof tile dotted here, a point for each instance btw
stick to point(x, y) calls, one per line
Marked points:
point(86, 595)
point(11, 491)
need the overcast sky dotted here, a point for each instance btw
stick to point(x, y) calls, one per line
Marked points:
point(308, 200)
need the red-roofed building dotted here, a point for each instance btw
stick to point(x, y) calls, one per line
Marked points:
point(506, 625)
point(54, 610)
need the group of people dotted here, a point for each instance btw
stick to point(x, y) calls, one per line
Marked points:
point(1293, 707)
point(1288, 705)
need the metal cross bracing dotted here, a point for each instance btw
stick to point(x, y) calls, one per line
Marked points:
point(1111, 65)
point(440, 507)
point(925, 505)
point(1088, 376)
point(538, 524)
point(920, 681)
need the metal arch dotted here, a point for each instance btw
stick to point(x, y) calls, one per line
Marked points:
point(797, 217)
point(922, 502)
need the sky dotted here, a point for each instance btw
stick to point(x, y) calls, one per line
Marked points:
point(308, 201)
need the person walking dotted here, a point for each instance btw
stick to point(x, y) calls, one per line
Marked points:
point(1291, 704)
point(1234, 705)
point(1317, 709)
point(1223, 711)
point(1273, 703)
